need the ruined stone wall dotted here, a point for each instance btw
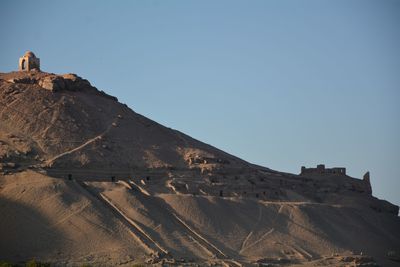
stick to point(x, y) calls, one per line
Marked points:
point(322, 170)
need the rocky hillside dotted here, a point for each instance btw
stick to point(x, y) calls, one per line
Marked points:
point(67, 123)
point(63, 139)
point(65, 126)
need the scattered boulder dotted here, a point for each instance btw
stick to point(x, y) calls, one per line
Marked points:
point(75, 83)
point(52, 83)
point(24, 80)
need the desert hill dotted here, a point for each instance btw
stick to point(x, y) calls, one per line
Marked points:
point(72, 124)
point(84, 179)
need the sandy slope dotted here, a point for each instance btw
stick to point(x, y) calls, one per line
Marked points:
point(47, 218)
point(295, 230)
point(67, 222)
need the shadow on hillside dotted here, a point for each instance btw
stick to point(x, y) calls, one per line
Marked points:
point(25, 234)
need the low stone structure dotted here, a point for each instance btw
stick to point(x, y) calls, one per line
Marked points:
point(29, 62)
point(322, 170)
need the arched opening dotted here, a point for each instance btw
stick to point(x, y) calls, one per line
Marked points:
point(23, 64)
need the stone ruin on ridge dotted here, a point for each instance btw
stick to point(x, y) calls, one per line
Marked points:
point(29, 62)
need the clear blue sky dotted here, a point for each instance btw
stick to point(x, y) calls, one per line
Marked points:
point(277, 83)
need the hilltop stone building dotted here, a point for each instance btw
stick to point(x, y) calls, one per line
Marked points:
point(29, 62)
point(322, 170)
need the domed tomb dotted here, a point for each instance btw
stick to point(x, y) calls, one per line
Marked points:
point(29, 62)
